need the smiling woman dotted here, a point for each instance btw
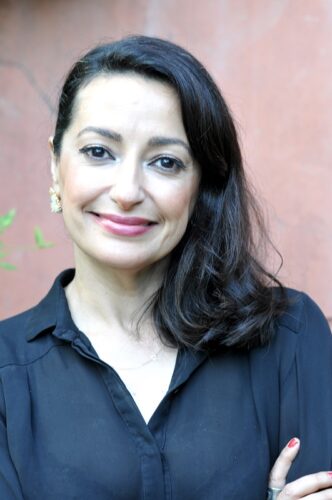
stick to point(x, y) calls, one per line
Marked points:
point(169, 357)
point(125, 169)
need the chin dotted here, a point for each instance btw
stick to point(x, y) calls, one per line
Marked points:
point(128, 264)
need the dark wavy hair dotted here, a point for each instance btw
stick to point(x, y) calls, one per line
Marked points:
point(215, 291)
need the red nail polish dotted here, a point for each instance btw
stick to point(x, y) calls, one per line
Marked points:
point(292, 443)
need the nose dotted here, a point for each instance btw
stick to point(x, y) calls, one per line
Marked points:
point(127, 189)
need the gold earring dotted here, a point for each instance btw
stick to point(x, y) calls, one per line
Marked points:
point(55, 201)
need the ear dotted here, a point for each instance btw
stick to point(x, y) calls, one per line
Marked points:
point(54, 165)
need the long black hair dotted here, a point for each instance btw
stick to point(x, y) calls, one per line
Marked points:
point(215, 291)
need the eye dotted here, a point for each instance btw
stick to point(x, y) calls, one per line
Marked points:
point(97, 152)
point(168, 163)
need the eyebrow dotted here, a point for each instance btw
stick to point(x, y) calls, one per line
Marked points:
point(166, 141)
point(154, 141)
point(101, 131)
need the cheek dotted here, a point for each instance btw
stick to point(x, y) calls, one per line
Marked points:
point(185, 199)
point(179, 206)
point(77, 189)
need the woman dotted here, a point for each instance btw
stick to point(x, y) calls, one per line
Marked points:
point(166, 365)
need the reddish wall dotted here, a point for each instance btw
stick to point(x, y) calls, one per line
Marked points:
point(272, 60)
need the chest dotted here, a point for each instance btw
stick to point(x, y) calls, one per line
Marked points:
point(78, 433)
point(145, 376)
point(148, 384)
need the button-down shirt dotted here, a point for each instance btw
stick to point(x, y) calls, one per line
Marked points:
point(69, 428)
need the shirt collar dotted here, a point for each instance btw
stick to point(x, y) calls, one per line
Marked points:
point(53, 310)
point(53, 314)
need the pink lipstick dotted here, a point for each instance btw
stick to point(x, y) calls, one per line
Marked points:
point(123, 226)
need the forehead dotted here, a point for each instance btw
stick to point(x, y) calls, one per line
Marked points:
point(120, 98)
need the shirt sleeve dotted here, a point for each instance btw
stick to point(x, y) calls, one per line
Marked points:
point(291, 381)
point(306, 392)
point(10, 488)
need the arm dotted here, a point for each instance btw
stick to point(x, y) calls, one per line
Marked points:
point(306, 405)
point(10, 488)
point(306, 394)
point(9, 484)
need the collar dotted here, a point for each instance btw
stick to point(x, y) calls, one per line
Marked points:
point(53, 311)
point(52, 314)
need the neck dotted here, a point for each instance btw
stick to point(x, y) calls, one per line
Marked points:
point(100, 295)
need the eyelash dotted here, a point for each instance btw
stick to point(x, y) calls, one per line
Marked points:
point(179, 165)
point(88, 151)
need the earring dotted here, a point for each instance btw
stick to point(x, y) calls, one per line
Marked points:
point(55, 201)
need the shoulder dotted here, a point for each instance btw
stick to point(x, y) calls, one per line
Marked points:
point(302, 312)
point(13, 329)
point(300, 332)
point(302, 323)
point(300, 349)
point(13, 338)
point(18, 333)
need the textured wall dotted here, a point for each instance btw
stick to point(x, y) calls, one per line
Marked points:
point(272, 59)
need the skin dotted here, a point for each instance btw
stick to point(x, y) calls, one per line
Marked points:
point(316, 486)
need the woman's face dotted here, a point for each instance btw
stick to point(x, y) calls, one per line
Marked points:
point(126, 177)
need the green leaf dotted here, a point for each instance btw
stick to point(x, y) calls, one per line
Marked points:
point(7, 220)
point(8, 266)
point(40, 240)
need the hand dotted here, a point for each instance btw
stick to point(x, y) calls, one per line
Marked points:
point(312, 487)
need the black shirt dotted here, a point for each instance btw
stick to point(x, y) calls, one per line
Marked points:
point(69, 428)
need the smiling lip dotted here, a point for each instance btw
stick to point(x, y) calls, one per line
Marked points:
point(123, 226)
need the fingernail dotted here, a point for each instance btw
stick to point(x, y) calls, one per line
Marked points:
point(330, 473)
point(292, 443)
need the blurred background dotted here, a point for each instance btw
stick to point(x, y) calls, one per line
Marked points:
point(273, 62)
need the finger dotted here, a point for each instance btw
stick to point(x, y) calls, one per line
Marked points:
point(283, 463)
point(322, 495)
point(310, 485)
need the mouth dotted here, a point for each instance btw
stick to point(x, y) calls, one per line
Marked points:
point(123, 226)
point(124, 221)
